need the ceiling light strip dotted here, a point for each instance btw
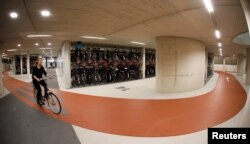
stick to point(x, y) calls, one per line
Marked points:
point(45, 48)
point(93, 37)
point(42, 35)
point(139, 43)
point(10, 50)
point(209, 6)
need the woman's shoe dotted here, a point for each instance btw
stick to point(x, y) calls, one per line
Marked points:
point(41, 103)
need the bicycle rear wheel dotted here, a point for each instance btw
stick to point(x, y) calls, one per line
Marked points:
point(54, 103)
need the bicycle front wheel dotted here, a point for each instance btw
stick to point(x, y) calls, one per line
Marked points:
point(54, 103)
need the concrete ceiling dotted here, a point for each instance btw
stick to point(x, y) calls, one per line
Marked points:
point(121, 21)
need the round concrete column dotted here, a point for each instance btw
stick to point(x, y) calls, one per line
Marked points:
point(248, 67)
point(241, 65)
point(180, 64)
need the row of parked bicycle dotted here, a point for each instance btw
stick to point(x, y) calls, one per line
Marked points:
point(150, 63)
point(82, 76)
point(92, 65)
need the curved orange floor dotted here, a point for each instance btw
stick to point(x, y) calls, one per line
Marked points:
point(144, 118)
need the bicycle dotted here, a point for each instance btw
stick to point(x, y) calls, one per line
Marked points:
point(52, 100)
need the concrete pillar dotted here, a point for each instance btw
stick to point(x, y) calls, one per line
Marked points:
point(248, 67)
point(206, 65)
point(64, 69)
point(21, 63)
point(44, 62)
point(246, 8)
point(180, 64)
point(241, 65)
point(224, 64)
point(213, 63)
point(143, 62)
point(28, 63)
point(1, 79)
point(13, 65)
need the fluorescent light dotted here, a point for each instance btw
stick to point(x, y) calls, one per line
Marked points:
point(13, 15)
point(12, 50)
point(220, 49)
point(45, 13)
point(219, 44)
point(140, 43)
point(217, 34)
point(49, 44)
point(208, 5)
point(45, 48)
point(92, 37)
point(42, 35)
point(19, 45)
point(36, 44)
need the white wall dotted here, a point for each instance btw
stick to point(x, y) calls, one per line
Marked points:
point(227, 64)
point(63, 65)
point(228, 68)
point(218, 67)
point(231, 68)
point(13, 65)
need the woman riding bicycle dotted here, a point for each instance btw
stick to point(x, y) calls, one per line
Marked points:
point(38, 71)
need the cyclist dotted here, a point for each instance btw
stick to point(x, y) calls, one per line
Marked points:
point(38, 71)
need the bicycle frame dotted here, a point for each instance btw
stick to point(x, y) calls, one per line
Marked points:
point(51, 99)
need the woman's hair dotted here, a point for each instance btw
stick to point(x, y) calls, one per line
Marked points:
point(36, 61)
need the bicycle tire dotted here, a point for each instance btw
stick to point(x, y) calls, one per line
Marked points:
point(51, 100)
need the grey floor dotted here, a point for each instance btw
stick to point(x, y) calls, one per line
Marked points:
point(21, 124)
